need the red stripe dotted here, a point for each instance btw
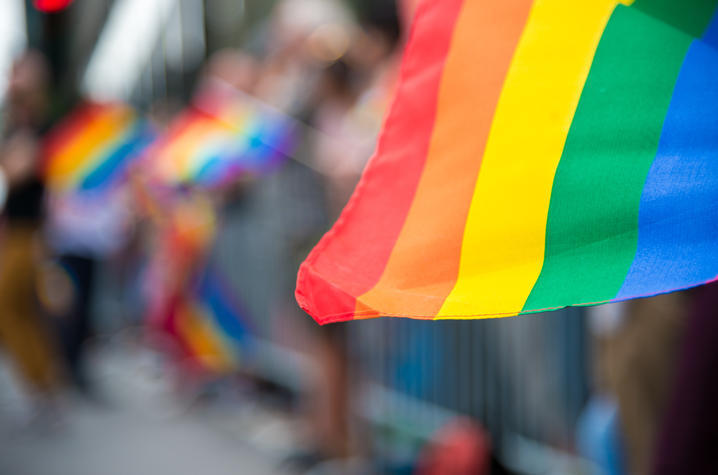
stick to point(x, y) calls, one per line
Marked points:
point(350, 258)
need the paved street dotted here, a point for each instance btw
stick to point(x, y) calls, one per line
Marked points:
point(137, 430)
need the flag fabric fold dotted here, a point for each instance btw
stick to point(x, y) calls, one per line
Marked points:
point(538, 154)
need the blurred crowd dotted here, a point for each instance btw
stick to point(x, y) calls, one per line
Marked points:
point(304, 98)
point(81, 190)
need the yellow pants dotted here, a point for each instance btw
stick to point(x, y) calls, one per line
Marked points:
point(23, 333)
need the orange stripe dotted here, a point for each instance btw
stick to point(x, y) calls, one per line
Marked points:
point(204, 342)
point(424, 263)
point(351, 257)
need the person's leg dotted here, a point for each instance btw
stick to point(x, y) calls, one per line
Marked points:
point(29, 345)
point(75, 326)
point(332, 410)
point(24, 333)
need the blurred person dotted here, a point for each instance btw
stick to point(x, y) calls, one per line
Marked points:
point(347, 107)
point(339, 138)
point(181, 228)
point(636, 345)
point(82, 228)
point(687, 433)
point(24, 333)
point(281, 80)
point(329, 402)
point(354, 96)
point(301, 38)
point(79, 233)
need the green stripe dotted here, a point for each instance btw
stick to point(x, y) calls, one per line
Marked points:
point(592, 227)
point(691, 16)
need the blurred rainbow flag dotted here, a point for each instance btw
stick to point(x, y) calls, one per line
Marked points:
point(212, 326)
point(91, 148)
point(220, 137)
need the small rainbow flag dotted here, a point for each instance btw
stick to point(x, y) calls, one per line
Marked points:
point(221, 136)
point(538, 154)
point(91, 148)
point(212, 326)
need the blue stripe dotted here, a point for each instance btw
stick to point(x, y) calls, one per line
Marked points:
point(224, 311)
point(115, 162)
point(678, 217)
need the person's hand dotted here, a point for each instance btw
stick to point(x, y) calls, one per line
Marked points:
point(19, 157)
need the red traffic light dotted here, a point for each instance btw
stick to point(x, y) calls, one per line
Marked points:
point(49, 6)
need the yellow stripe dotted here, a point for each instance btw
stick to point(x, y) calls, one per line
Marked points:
point(122, 134)
point(203, 339)
point(73, 158)
point(503, 247)
point(176, 159)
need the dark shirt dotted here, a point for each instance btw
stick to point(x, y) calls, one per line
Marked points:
point(24, 203)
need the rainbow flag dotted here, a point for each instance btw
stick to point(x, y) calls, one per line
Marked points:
point(91, 148)
point(538, 154)
point(212, 326)
point(220, 137)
